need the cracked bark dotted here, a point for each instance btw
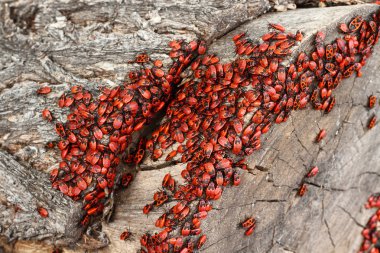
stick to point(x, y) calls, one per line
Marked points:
point(328, 231)
point(91, 42)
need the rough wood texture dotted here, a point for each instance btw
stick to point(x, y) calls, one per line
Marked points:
point(18, 208)
point(67, 41)
point(91, 42)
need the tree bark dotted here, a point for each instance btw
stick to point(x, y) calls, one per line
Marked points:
point(90, 43)
point(24, 191)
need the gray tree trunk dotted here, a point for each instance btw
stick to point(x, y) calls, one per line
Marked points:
point(91, 42)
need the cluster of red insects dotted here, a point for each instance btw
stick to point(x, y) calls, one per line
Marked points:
point(98, 131)
point(371, 232)
point(216, 117)
point(220, 112)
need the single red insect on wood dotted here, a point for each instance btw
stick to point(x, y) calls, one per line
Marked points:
point(371, 101)
point(248, 222)
point(46, 114)
point(125, 235)
point(302, 190)
point(201, 241)
point(186, 229)
point(344, 28)
point(43, 212)
point(147, 208)
point(314, 171)
point(126, 179)
point(44, 90)
point(320, 37)
point(237, 37)
point(277, 27)
point(355, 23)
point(299, 36)
point(372, 122)
point(250, 230)
point(160, 222)
point(142, 58)
point(202, 47)
point(60, 129)
point(321, 135)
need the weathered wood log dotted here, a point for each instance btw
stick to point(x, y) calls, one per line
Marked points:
point(330, 217)
point(91, 43)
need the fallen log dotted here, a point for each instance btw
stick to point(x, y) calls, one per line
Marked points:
point(329, 218)
point(268, 193)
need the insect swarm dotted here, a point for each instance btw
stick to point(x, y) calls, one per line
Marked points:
point(98, 130)
point(210, 131)
point(370, 232)
point(205, 123)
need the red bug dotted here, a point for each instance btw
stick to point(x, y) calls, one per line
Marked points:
point(161, 221)
point(314, 171)
point(126, 179)
point(320, 37)
point(60, 129)
point(202, 47)
point(302, 190)
point(372, 122)
point(344, 28)
point(237, 37)
point(321, 135)
point(125, 235)
point(248, 222)
point(330, 105)
point(355, 23)
point(43, 212)
point(142, 58)
point(44, 90)
point(186, 229)
point(299, 36)
point(46, 114)
point(147, 208)
point(250, 230)
point(158, 72)
point(277, 27)
point(371, 101)
point(54, 174)
point(201, 241)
